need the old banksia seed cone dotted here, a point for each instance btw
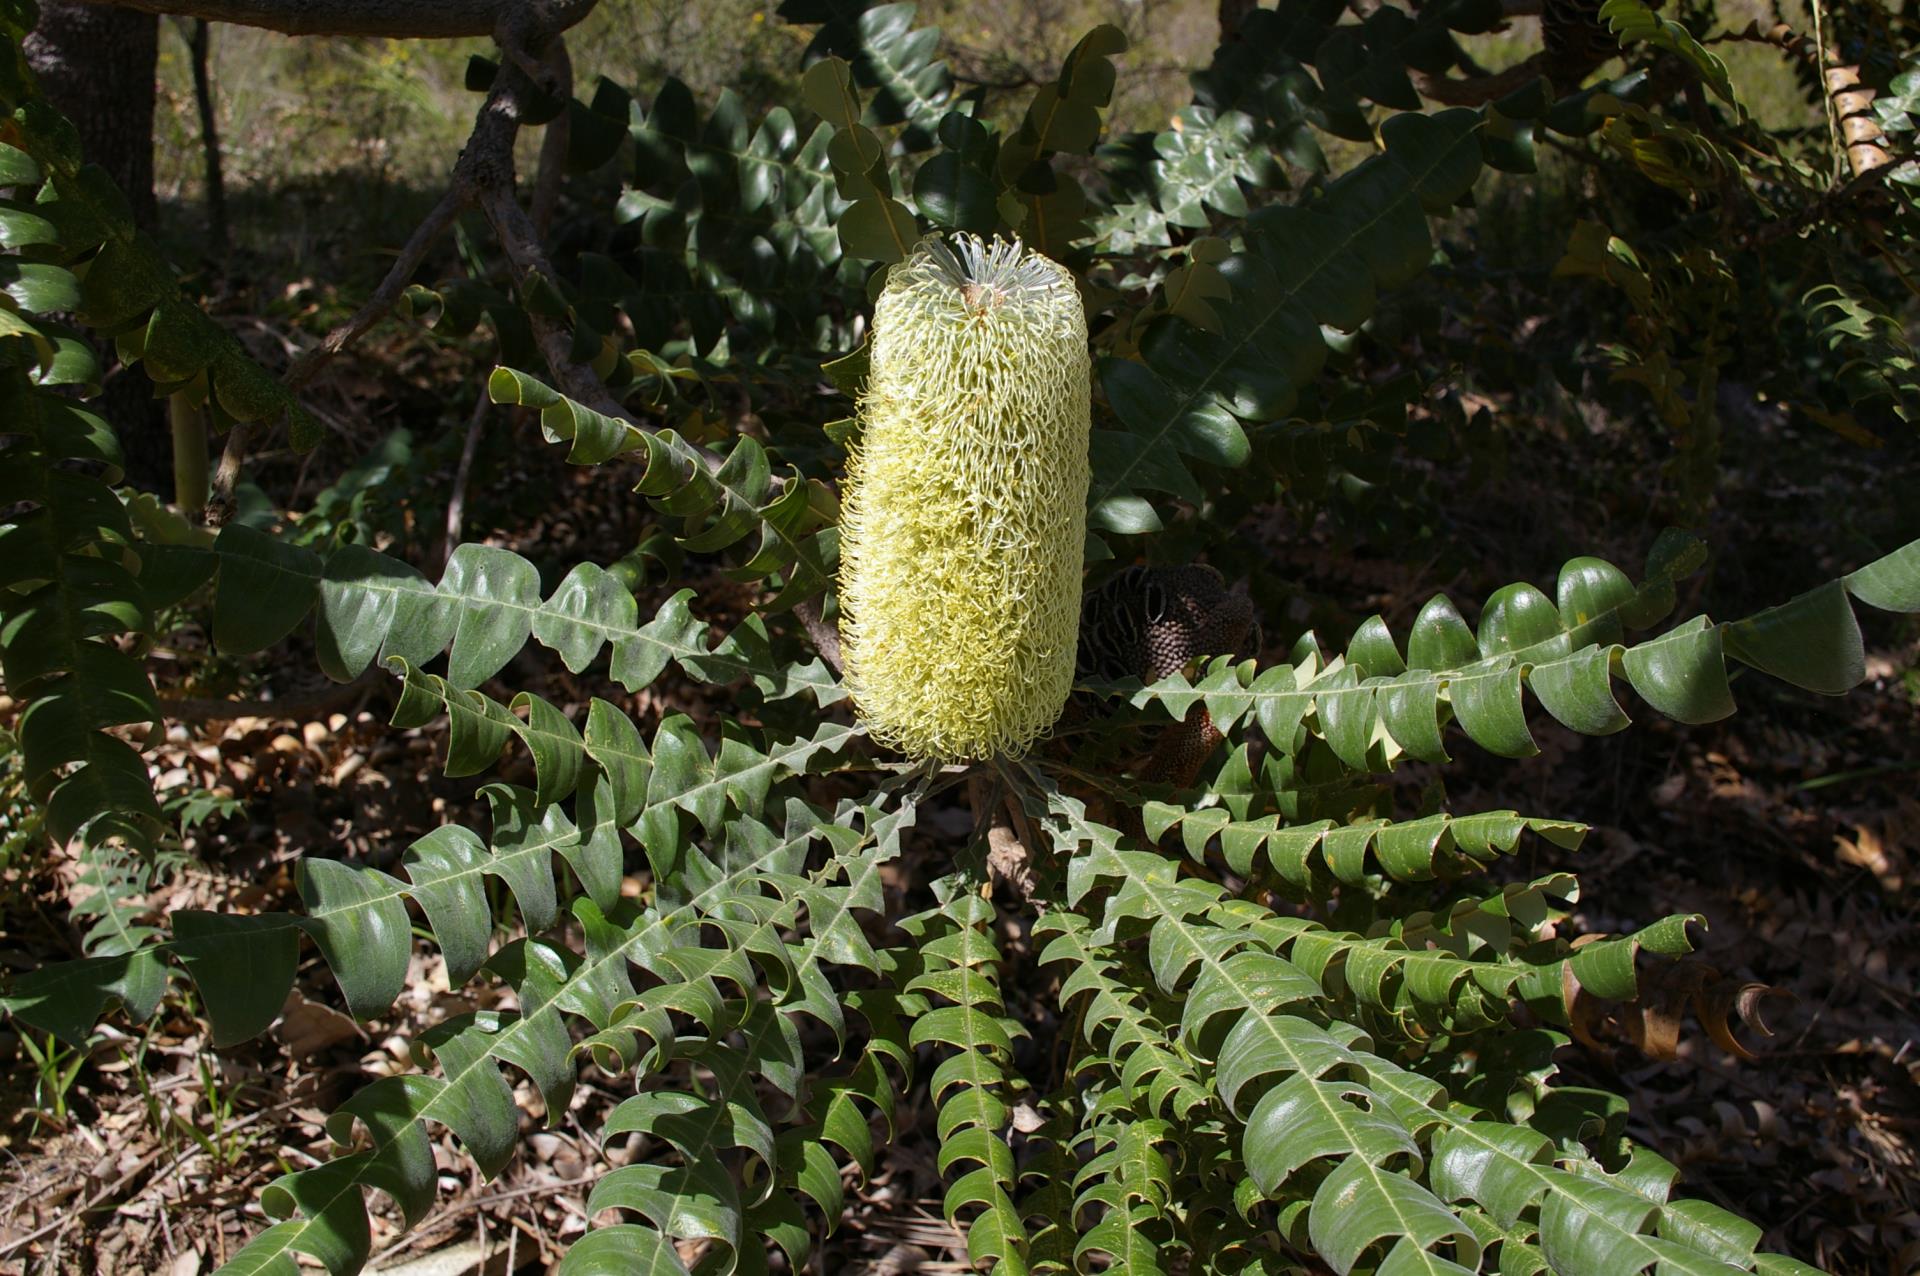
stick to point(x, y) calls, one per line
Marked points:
point(964, 513)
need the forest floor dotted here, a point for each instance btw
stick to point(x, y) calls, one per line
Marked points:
point(1793, 828)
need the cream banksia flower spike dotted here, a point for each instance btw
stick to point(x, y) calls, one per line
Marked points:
point(963, 519)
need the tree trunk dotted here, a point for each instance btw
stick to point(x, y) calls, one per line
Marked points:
point(508, 21)
point(199, 38)
point(1233, 16)
point(96, 66)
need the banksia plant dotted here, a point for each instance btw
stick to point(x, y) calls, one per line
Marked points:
point(964, 516)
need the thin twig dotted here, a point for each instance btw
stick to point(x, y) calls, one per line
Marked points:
point(825, 639)
point(304, 707)
point(1826, 92)
point(437, 20)
point(1819, 210)
point(112, 1189)
point(452, 1212)
point(517, 235)
point(232, 456)
point(553, 145)
point(199, 39)
point(488, 164)
point(67, 1217)
point(1893, 262)
point(384, 297)
point(1478, 90)
point(457, 503)
point(483, 178)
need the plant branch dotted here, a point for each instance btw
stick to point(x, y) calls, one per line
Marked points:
point(189, 455)
point(395, 19)
point(487, 159)
point(68, 1217)
point(1820, 51)
point(1820, 209)
point(296, 708)
point(483, 179)
point(517, 234)
point(383, 298)
point(1481, 89)
point(487, 163)
point(553, 144)
point(453, 1213)
point(826, 640)
point(199, 39)
point(457, 503)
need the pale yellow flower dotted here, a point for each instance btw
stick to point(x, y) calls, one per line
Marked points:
point(964, 513)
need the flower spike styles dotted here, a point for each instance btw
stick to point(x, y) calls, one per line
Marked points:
point(964, 518)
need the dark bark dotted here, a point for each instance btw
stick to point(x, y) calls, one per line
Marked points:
point(1233, 15)
point(96, 66)
point(199, 38)
point(505, 20)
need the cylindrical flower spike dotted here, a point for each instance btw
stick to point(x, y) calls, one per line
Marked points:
point(963, 518)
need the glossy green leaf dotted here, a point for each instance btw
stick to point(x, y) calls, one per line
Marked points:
point(622, 756)
point(181, 341)
point(39, 287)
point(955, 194)
point(68, 998)
point(17, 168)
point(1578, 691)
point(1682, 673)
point(494, 594)
point(1374, 651)
point(625, 1249)
point(1440, 637)
point(1492, 712)
point(1303, 1119)
point(1891, 583)
point(357, 918)
point(1706, 1227)
point(1361, 1202)
point(1496, 1164)
point(444, 871)
point(879, 229)
point(1409, 711)
point(1519, 618)
point(360, 595)
point(588, 608)
point(21, 228)
point(1812, 642)
point(242, 967)
point(1587, 1226)
point(266, 587)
